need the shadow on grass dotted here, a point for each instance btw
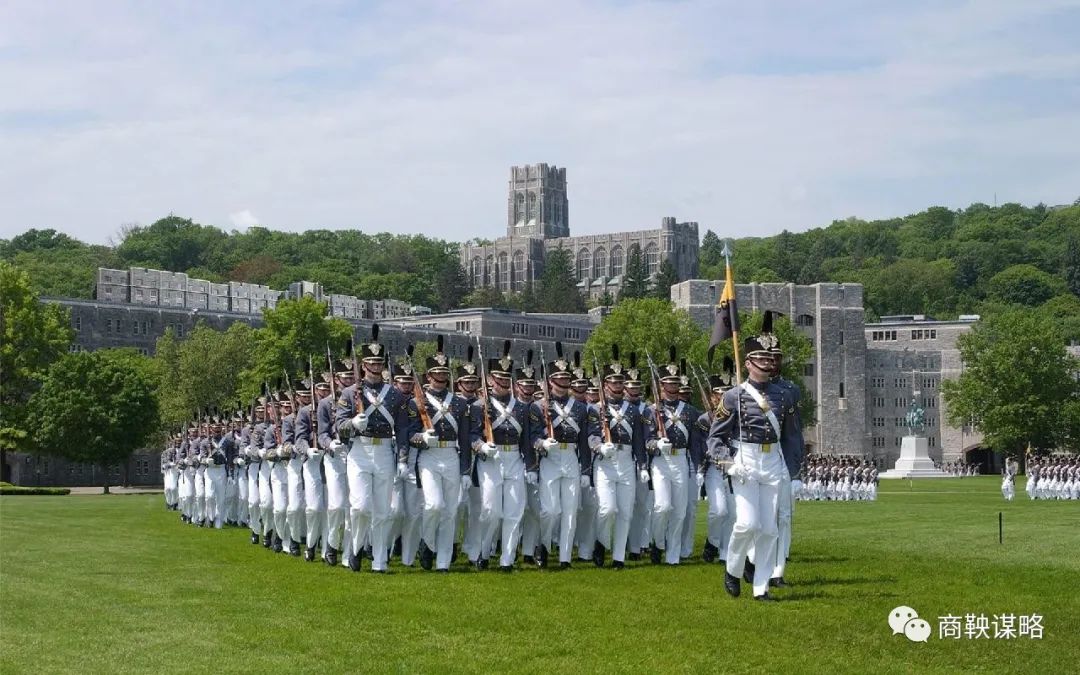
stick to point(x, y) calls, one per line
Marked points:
point(851, 581)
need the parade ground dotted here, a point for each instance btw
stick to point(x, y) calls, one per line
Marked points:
point(94, 583)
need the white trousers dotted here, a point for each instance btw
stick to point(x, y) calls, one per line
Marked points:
point(214, 480)
point(440, 480)
point(337, 499)
point(412, 506)
point(473, 533)
point(266, 498)
point(314, 501)
point(242, 495)
point(720, 499)
point(756, 498)
point(502, 503)
point(254, 514)
point(200, 493)
point(785, 509)
point(187, 492)
point(689, 523)
point(586, 521)
point(530, 520)
point(371, 469)
point(171, 483)
point(670, 483)
point(279, 487)
point(294, 510)
point(560, 482)
point(616, 481)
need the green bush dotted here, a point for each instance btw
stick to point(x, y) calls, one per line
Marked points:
point(9, 489)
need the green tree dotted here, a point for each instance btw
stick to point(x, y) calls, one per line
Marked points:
point(665, 279)
point(647, 324)
point(96, 407)
point(636, 276)
point(558, 291)
point(293, 331)
point(488, 296)
point(33, 336)
point(710, 253)
point(1017, 379)
point(1071, 265)
point(451, 286)
point(1025, 285)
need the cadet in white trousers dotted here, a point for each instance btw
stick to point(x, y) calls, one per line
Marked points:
point(335, 542)
point(307, 445)
point(411, 498)
point(215, 475)
point(558, 428)
point(791, 443)
point(293, 460)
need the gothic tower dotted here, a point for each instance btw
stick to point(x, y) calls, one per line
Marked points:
point(537, 204)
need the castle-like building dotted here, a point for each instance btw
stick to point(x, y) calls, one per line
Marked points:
point(538, 221)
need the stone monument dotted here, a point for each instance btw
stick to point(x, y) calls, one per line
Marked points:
point(914, 460)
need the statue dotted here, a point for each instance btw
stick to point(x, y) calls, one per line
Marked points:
point(915, 417)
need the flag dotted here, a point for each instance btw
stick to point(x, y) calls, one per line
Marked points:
point(726, 323)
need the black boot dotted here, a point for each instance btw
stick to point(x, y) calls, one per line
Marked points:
point(354, 562)
point(528, 560)
point(748, 572)
point(294, 548)
point(564, 565)
point(268, 540)
point(598, 554)
point(331, 557)
point(709, 553)
point(277, 544)
point(654, 554)
point(309, 553)
point(617, 564)
point(636, 557)
point(479, 564)
point(255, 538)
point(732, 585)
point(427, 556)
point(541, 556)
point(778, 582)
point(765, 597)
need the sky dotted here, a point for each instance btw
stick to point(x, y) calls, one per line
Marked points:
point(746, 117)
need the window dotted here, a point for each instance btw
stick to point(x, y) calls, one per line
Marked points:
point(489, 271)
point(804, 320)
point(929, 402)
point(462, 326)
point(179, 330)
point(900, 383)
point(878, 382)
point(879, 441)
point(652, 258)
point(134, 327)
point(900, 402)
point(144, 351)
point(883, 336)
point(879, 401)
point(879, 421)
point(545, 331)
point(519, 328)
point(808, 370)
point(933, 441)
point(599, 263)
point(145, 327)
point(841, 337)
point(841, 389)
point(572, 333)
point(616, 261)
point(933, 334)
point(896, 442)
point(477, 273)
point(504, 271)
point(519, 270)
point(78, 324)
point(584, 263)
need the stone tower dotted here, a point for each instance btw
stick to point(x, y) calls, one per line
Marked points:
point(537, 204)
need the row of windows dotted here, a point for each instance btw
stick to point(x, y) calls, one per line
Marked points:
point(596, 265)
point(137, 327)
point(903, 382)
point(924, 334)
point(883, 336)
point(879, 441)
point(545, 331)
point(890, 335)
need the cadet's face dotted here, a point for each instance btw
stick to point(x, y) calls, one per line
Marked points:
point(633, 393)
point(527, 391)
point(499, 385)
point(671, 389)
point(559, 385)
point(470, 386)
point(404, 386)
point(374, 369)
point(438, 381)
point(615, 388)
point(760, 367)
point(345, 380)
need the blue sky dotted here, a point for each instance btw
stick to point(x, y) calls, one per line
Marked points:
point(406, 116)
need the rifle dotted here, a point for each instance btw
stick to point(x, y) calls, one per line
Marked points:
point(292, 400)
point(358, 395)
point(703, 391)
point(547, 400)
point(418, 392)
point(654, 376)
point(604, 426)
point(489, 434)
point(314, 417)
point(271, 413)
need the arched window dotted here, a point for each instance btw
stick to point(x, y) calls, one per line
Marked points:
point(477, 273)
point(519, 270)
point(519, 208)
point(599, 263)
point(652, 258)
point(584, 263)
point(616, 261)
point(489, 271)
point(534, 207)
point(804, 320)
point(504, 272)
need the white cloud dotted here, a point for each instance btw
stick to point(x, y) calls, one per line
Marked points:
point(243, 219)
point(407, 116)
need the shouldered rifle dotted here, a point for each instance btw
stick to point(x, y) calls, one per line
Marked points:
point(547, 399)
point(418, 392)
point(489, 433)
point(605, 428)
point(358, 397)
point(654, 377)
point(314, 399)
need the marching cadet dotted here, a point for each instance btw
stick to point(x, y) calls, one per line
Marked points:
point(241, 461)
point(791, 442)
point(750, 420)
point(411, 497)
point(279, 472)
point(169, 473)
point(501, 471)
point(719, 517)
point(693, 492)
point(307, 448)
point(337, 543)
point(468, 383)
point(370, 415)
point(232, 485)
point(293, 460)
point(439, 429)
point(185, 478)
point(525, 387)
point(640, 531)
point(202, 458)
point(676, 452)
point(267, 453)
point(255, 473)
point(585, 536)
point(559, 434)
point(617, 436)
point(220, 444)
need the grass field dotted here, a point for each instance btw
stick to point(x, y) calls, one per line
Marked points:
point(117, 583)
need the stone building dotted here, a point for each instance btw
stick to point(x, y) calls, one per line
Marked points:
point(538, 221)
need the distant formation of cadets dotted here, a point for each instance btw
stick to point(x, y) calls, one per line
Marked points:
point(960, 469)
point(837, 479)
point(347, 470)
point(1049, 477)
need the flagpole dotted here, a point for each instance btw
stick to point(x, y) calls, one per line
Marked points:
point(730, 283)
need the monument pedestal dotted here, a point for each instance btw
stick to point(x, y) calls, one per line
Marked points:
point(914, 461)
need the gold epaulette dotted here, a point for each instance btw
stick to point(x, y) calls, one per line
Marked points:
point(721, 412)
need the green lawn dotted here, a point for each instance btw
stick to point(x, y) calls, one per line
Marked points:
point(106, 583)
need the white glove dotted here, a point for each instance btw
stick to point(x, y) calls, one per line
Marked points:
point(531, 478)
point(261, 452)
point(335, 445)
point(359, 422)
point(431, 439)
point(643, 475)
point(700, 479)
point(402, 469)
point(796, 485)
point(585, 482)
point(664, 445)
point(466, 482)
point(607, 450)
point(737, 470)
point(287, 449)
point(314, 452)
point(548, 444)
point(488, 449)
